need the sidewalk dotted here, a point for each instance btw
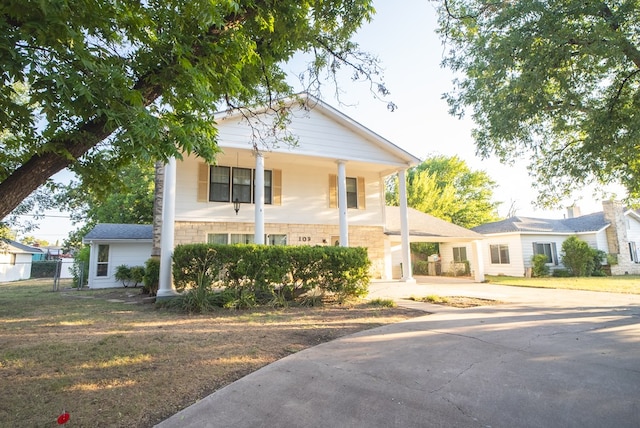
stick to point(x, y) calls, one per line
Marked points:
point(545, 358)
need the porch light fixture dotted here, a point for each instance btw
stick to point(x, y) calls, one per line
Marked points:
point(236, 205)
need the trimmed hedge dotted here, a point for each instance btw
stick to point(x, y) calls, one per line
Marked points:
point(256, 274)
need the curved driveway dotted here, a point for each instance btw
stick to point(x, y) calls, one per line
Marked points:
point(544, 358)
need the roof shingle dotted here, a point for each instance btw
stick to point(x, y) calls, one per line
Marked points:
point(586, 223)
point(111, 231)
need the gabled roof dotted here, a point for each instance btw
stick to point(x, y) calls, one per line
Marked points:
point(17, 248)
point(307, 102)
point(586, 223)
point(427, 226)
point(633, 213)
point(117, 232)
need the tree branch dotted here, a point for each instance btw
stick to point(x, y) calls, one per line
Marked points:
point(62, 151)
point(628, 48)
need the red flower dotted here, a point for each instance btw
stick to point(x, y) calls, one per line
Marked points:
point(63, 418)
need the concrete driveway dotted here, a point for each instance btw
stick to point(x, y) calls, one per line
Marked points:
point(544, 358)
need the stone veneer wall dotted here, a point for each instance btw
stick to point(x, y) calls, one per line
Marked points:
point(370, 237)
point(618, 239)
point(157, 208)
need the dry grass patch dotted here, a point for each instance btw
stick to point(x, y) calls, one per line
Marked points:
point(111, 360)
point(456, 301)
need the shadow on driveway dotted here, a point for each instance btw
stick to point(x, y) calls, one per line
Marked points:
point(521, 364)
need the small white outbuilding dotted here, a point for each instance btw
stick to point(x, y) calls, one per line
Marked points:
point(113, 245)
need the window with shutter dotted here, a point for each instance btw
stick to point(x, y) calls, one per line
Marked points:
point(355, 187)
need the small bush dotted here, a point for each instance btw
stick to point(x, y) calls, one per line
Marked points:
point(80, 268)
point(137, 275)
point(123, 274)
point(596, 267)
point(151, 276)
point(540, 268)
point(130, 276)
point(577, 257)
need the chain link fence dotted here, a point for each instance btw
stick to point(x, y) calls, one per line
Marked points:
point(56, 270)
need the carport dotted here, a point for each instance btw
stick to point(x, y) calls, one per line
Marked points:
point(427, 228)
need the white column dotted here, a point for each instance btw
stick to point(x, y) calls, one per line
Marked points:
point(342, 204)
point(404, 229)
point(259, 202)
point(165, 286)
point(479, 268)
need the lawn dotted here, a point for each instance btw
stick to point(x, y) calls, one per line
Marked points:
point(109, 359)
point(613, 284)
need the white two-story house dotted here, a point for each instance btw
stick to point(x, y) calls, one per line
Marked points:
point(326, 189)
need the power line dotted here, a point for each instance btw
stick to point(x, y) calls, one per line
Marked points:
point(43, 215)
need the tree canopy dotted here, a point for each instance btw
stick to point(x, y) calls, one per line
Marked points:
point(445, 187)
point(554, 80)
point(91, 86)
point(129, 202)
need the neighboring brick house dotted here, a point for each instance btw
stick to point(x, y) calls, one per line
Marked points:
point(510, 244)
point(623, 237)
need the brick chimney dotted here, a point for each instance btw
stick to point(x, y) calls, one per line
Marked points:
point(616, 232)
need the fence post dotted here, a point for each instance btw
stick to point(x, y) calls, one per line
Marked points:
point(56, 275)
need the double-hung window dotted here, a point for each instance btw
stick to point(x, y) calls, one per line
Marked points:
point(460, 254)
point(499, 254)
point(352, 192)
point(219, 188)
point(228, 184)
point(102, 268)
point(242, 185)
point(355, 189)
point(548, 249)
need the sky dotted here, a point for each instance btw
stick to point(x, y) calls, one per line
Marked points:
point(404, 39)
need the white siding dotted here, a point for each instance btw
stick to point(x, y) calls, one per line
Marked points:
point(446, 255)
point(633, 230)
point(317, 135)
point(521, 250)
point(632, 233)
point(601, 241)
point(305, 193)
point(396, 261)
point(527, 248)
point(10, 271)
point(120, 253)
point(516, 261)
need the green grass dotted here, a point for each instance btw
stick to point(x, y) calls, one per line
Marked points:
point(431, 298)
point(629, 284)
point(385, 303)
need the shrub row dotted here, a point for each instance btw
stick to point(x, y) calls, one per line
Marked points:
point(258, 274)
point(147, 275)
